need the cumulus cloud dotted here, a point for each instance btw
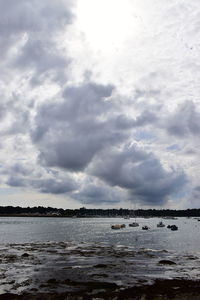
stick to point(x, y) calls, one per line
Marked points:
point(54, 185)
point(85, 130)
point(139, 172)
point(34, 177)
point(31, 19)
point(70, 132)
point(184, 121)
point(31, 54)
point(100, 194)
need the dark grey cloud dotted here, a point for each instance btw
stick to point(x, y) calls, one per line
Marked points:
point(84, 130)
point(193, 195)
point(43, 58)
point(54, 186)
point(196, 192)
point(32, 27)
point(15, 181)
point(30, 54)
point(70, 132)
point(21, 169)
point(32, 17)
point(32, 176)
point(139, 172)
point(124, 122)
point(184, 121)
point(49, 185)
point(147, 117)
point(14, 115)
point(3, 111)
point(20, 123)
point(99, 194)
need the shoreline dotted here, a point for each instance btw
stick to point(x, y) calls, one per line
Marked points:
point(86, 271)
point(92, 217)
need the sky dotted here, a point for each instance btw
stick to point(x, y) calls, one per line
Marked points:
point(100, 103)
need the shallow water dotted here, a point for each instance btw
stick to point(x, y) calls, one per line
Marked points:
point(26, 230)
point(70, 267)
point(64, 254)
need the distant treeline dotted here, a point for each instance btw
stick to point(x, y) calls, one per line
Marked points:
point(85, 212)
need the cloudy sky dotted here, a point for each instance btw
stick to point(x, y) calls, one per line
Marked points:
point(100, 103)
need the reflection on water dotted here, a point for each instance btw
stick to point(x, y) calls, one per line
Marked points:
point(25, 230)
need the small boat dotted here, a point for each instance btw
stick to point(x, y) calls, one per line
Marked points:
point(160, 224)
point(118, 226)
point(134, 224)
point(145, 227)
point(174, 227)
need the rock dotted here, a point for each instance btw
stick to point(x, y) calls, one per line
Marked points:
point(52, 281)
point(167, 262)
point(33, 290)
point(191, 257)
point(25, 255)
point(100, 275)
point(100, 266)
point(10, 258)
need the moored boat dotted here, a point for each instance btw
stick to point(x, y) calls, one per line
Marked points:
point(118, 226)
point(145, 227)
point(160, 224)
point(134, 224)
point(174, 227)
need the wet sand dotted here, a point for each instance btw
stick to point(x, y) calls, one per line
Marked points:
point(96, 271)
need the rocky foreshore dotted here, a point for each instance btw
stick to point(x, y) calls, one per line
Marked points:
point(160, 290)
point(62, 270)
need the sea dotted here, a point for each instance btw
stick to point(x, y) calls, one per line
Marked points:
point(37, 250)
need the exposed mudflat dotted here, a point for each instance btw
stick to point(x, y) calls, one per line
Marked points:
point(61, 270)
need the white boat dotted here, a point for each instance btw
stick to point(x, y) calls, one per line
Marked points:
point(160, 224)
point(134, 224)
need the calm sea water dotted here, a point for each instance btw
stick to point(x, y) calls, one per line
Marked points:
point(26, 230)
